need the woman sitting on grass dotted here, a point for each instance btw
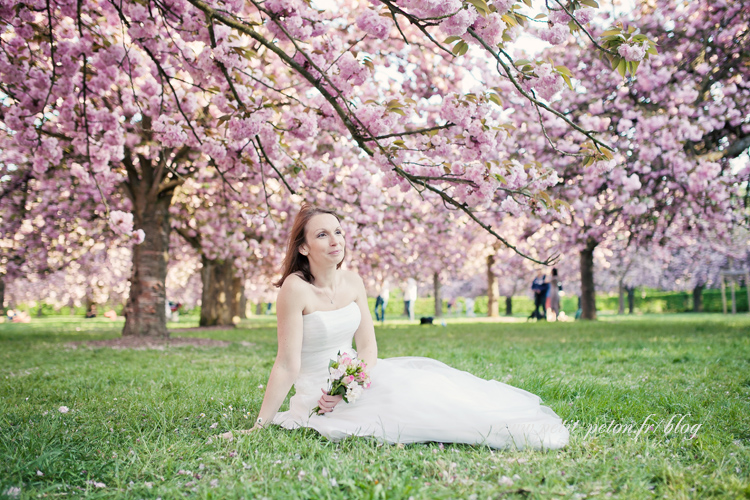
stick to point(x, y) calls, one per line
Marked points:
point(321, 308)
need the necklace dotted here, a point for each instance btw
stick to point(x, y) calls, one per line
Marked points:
point(330, 297)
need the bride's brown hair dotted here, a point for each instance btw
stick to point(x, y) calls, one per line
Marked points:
point(295, 262)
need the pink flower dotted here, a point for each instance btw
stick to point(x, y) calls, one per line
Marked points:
point(555, 35)
point(63, 409)
point(139, 236)
point(121, 222)
point(457, 24)
point(373, 24)
point(632, 52)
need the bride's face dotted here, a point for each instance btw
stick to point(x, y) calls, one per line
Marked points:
point(324, 240)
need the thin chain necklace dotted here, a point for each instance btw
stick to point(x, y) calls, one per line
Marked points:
point(330, 297)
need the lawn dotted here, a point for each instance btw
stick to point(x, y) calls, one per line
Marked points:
point(139, 421)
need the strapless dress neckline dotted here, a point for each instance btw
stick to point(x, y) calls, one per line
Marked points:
point(330, 310)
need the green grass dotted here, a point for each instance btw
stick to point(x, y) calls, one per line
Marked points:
point(135, 422)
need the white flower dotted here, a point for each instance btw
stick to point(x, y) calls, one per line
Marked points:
point(505, 481)
point(63, 409)
point(13, 492)
point(353, 391)
point(39, 473)
point(336, 373)
point(96, 484)
point(214, 425)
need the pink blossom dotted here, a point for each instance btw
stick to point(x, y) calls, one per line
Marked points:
point(503, 6)
point(373, 24)
point(457, 24)
point(547, 82)
point(632, 52)
point(556, 34)
point(491, 28)
point(121, 222)
point(631, 183)
point(139, 236)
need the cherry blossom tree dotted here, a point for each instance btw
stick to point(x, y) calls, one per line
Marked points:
point(675, 124)
point(125, 101)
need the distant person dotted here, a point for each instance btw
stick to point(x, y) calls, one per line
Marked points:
point(540, 287)
point(469, 307)
point(553, 297)
point(91, 313)
point(410, 297)
point(381, 302)
point(174, 309)
point(21, 317)
point(451, 305)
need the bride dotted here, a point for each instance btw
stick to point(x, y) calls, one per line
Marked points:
point(321, 308)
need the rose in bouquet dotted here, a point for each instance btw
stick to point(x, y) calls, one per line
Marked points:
point(347, 377)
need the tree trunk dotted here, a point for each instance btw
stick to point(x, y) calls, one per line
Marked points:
point(2, 295)
point(222, 291)
point(438, 296)
point(509, 306)
point(621, 290)
point(145, 311)
point(259, 308)
point(493, 294)
point(631, 298)
point(588, 291)
point(698, 298)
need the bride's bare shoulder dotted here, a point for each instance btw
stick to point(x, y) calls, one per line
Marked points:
point(352, 278)
point(294, 285)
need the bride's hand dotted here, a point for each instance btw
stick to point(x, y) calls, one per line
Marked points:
point(327, 403)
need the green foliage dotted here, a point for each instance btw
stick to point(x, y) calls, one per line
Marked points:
point(139, 421)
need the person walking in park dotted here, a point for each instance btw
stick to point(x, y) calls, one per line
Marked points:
point(381, 302)
point(410, 297)
point(540, 288)
point(321, 310)
point(554, 296)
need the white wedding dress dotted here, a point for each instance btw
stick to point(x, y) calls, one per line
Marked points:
point(412, 399)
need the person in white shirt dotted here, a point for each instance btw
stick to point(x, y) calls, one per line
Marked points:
point(410, 297)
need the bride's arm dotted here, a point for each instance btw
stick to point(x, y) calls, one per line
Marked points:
point(289, 307)
point(364, 337)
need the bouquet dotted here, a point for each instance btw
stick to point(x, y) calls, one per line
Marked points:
point(347, 378)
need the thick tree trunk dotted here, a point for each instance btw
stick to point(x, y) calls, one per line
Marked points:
point(438, 296)
point(509, 306)
point(631, 298)
point(2, 295)
point(222, 291)
point(145, 311)
point(588, 291)
point(493, 294)
point(621, 290)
